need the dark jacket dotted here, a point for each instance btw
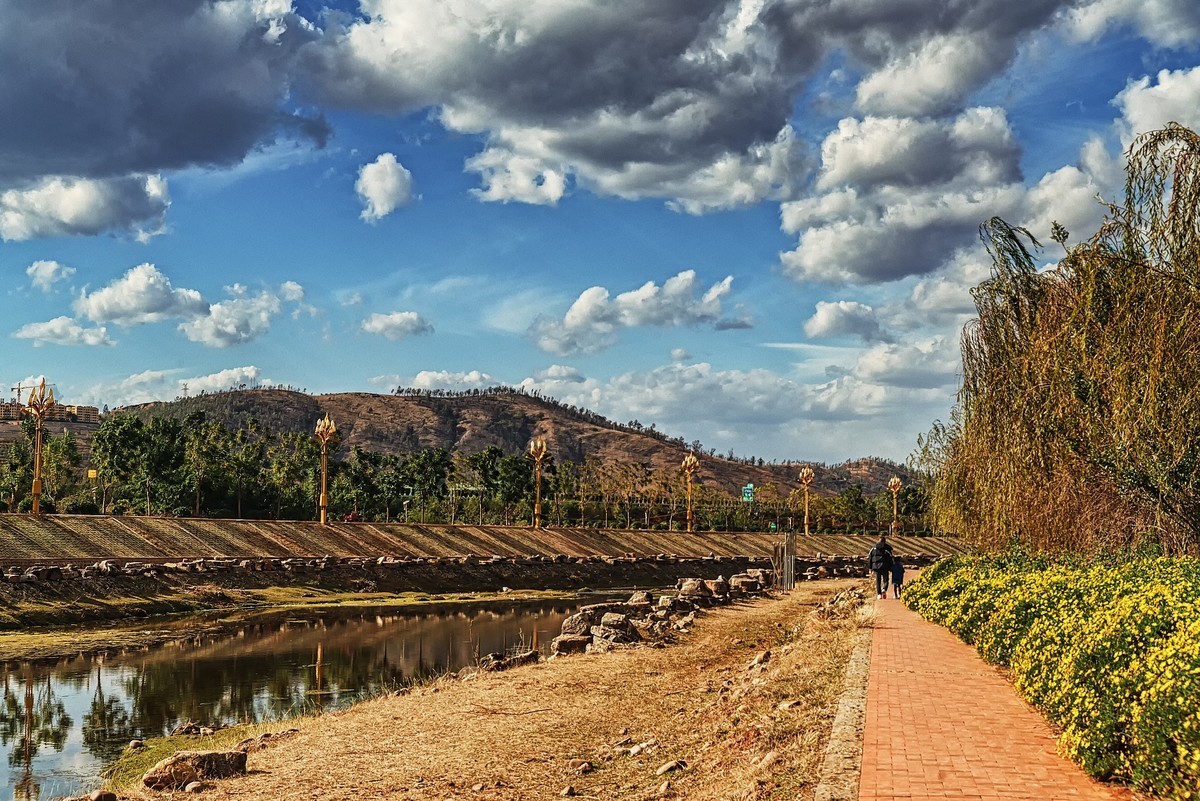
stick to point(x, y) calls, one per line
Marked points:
point(880, 557)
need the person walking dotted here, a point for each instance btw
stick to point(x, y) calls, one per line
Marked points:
point(897, 576)
point(880, 560)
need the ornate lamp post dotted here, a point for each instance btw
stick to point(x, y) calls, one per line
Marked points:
point(690, 463)
point(894, 485)
point(41, 401)
point(537, 452)
point(806, 478)
point(325, 431)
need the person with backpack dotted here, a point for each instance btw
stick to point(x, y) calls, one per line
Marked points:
point(880, 561)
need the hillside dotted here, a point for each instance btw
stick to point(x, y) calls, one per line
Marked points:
point(472, 422)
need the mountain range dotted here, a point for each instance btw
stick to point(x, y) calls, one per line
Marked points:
point(508, 419)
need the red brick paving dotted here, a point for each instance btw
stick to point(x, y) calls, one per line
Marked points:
point(943, 724)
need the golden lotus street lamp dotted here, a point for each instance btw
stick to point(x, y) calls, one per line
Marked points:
point(806, 478)
point(538, 453)
point(894, 485)
point(41, 402)
point(325, 431)
point(690, 464)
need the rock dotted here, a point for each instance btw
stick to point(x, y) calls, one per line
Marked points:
point(135, 744)
point(102, 795)
point(615, 636)
point(767, 760)
point(498, 661)
point(170, 775)
point(718, 586)
point(492, 661)
point(761, 658)
point(695, 588)
point(178, 771)
point(195, 787)
point(580, 765)
point(614, 620)
point(744, 584)
point(578, 623)
point(664, 788)
point(524, 658)
point(667, 767)
point(570, 644)
point(640, 597)
point(478, 788)
point(568, 791)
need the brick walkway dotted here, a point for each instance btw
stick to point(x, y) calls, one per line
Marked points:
point(941, 724)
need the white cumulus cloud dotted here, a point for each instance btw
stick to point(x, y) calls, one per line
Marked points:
point(241, 319)
point(590, 324)
point(1171, 96)
point(449, 379)
point(45, 274)
point(844, 318)
point(232, 377)
point(396, 325)
point(63, 331)
point(142, 295)
point(383, 186)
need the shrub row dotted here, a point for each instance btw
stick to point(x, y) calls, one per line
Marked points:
point(1108, 652)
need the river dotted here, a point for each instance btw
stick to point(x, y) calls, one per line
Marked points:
point(62, 721)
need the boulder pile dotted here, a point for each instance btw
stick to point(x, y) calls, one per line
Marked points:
point(645, 620)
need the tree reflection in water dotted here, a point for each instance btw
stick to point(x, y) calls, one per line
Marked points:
point(28, 720)
point(106, 725)
point(270, 666)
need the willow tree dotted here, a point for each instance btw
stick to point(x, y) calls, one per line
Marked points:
point(1078, 420)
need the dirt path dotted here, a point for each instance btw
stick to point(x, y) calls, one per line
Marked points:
point(744, 724)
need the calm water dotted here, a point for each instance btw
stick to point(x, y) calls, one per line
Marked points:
point(62, 721)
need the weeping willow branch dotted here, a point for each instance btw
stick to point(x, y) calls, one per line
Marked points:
point(1078, 420)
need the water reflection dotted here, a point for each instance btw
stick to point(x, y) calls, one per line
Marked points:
point(258, 668)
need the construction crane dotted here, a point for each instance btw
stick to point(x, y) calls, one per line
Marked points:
point(21, 387)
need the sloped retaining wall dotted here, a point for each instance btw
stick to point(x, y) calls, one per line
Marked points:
point(87, 538)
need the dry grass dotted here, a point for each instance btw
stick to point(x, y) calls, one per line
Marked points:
point(511, 736)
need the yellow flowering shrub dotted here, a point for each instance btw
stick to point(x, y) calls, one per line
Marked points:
point(1164, 731)
point(1108, 652)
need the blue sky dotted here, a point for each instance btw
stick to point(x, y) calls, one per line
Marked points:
point(749, 222)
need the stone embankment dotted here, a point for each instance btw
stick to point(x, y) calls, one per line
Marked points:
point(618, 568)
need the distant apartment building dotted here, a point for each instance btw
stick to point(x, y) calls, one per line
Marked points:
point(58, 413)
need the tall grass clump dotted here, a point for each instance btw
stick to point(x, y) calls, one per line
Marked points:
point(1077, 426)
